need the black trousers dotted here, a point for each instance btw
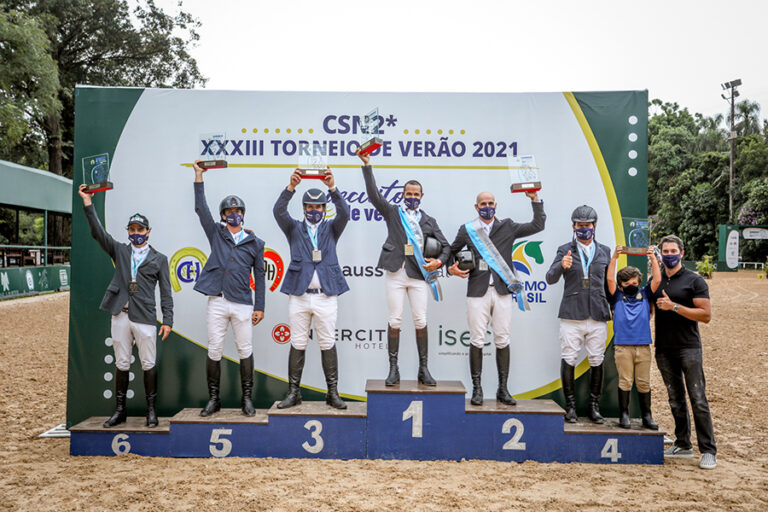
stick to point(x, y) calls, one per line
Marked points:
point(682, 369)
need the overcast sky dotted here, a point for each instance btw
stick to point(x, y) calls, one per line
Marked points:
point(679, 50)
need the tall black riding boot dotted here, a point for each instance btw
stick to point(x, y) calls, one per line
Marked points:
point(595, 390)
point(566, 377)
point(246, 382)
point(502, 365)
point(295, 368)
point(645, 410)
point(331, 370)
point(422, 344)
point(121, 390)
point(393, 347)
point(476, 371)
point(150, 389)
point(624, 409)
point(213, 374)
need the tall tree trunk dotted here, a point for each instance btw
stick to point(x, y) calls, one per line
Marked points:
point(51, 123)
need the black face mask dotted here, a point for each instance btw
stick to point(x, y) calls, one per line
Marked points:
point(630, 290)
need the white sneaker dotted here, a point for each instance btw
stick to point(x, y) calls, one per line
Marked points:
point(675, 452)
point(708, 461)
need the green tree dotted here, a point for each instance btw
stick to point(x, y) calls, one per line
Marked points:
point(754, 211)
point(747, 118)
point(104, 42)
point(669, 154)
point(711, 135)
point(29, 85)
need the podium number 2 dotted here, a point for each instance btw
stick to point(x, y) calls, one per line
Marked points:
point(216, 439)
point(514, 443)
point(611, 450)
point(415, 411)
point(315, 428)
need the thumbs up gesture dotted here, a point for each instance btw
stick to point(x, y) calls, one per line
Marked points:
point(664, 302)
point(567, 261)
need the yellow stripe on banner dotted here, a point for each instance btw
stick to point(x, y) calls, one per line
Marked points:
point(347, 166)
point(613, 203)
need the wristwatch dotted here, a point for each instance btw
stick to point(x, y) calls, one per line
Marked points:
point(675, 307)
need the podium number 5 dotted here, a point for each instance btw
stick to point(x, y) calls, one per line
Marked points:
point(315, 428)
point(514, 443)
point(415, 411)
point(226, 444)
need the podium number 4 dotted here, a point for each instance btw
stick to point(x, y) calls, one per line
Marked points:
point(415, 411)
point(611, 450)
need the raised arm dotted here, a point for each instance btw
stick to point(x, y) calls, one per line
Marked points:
point(280, 210)
point(341, 219)
point(377, 200)
point(104, 239)
point(537, 223)
point(610, 273)
point(655, 270)
point(201, 205)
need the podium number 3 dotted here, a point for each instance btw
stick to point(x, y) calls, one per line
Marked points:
point(415, 411)
point(315, 428)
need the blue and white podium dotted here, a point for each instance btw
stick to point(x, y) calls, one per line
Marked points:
point(406, 421)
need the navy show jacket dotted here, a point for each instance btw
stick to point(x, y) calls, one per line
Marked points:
point(228, 269)
point(302, 268)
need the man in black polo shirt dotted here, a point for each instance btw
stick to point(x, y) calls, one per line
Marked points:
point(682, 301)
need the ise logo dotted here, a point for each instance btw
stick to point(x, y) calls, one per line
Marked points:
point(187, 263)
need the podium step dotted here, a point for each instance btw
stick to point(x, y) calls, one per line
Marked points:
point(413, 421)
point(226, 433)
point(405, 421)
point(134, 436)
point(610, 444)
point(317, 430)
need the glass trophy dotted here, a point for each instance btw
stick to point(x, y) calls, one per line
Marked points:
point(96, 173)
point(638, 235)
point(369, 128)
point(524, 174)
point(313, 161)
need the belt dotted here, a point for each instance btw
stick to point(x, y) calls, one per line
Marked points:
point(315, 290)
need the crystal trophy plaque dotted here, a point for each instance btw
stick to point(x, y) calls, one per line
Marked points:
point(524, 174)
point(96, 173)
point(369, 127)
point(313, 161)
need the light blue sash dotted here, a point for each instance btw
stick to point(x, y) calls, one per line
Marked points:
point(496, 262)
point(429, 277)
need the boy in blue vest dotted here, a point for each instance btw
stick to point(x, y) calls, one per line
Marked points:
point(313, 282)
point(632, 333)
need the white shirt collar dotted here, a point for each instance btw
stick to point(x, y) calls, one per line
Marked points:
point(139, 252)
point(587, 248)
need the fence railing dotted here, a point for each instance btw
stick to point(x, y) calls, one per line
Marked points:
point(20, 255)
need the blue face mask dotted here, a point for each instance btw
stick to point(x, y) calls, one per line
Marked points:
point(487, 212)
point(585, 233)
point(670, 260)
point(234, 219)
point(313, 216)
point(137, 239)
point(412, 203)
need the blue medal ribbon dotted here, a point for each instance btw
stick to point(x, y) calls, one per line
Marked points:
point(495, 261)
point(429, 277)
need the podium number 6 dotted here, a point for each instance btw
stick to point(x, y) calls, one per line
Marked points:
point(514, 443)
point(315, 428)
point(120, 444)
point(415, 411)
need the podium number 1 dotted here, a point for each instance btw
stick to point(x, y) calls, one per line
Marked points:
point(415, 412)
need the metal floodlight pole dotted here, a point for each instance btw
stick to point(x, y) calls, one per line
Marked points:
point(731, 138)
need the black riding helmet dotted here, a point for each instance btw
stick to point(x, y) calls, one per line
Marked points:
point(584, 213)
point(231, 202)
point(314, 196)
